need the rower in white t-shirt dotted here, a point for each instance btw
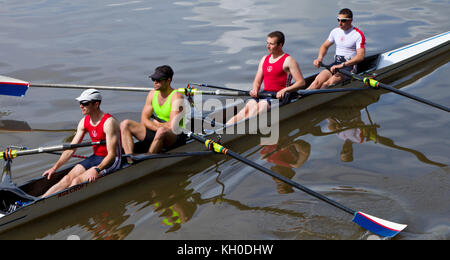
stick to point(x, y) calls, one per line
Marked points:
point(350, 50)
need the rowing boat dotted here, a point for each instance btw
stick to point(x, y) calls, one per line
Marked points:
point(383, 65)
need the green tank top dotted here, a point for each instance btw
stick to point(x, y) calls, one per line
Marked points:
point(163, 112)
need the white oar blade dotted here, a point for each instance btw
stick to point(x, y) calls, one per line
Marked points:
point(378, 226)
point(13, 87)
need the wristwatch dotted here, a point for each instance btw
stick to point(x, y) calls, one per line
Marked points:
point(98, 169)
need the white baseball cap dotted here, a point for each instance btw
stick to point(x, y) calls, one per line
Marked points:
point(89, 95)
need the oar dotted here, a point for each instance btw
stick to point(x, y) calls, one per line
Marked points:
point(304, 92)
point(10, 154)
point(15, 87)
point(143, 157)
point(370, 82)
point(308, 92)
point(190, 91)
point(376, 225)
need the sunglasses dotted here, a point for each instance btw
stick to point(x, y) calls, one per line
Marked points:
point(158, 80)
point(344, 19)
point(85, 103)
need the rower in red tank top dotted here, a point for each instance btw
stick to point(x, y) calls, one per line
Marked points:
point(106, 158)
point(97, 134)
point(275, 78)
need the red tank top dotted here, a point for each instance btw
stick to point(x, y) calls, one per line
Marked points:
point(97, 134)
point(282, 157)
point(275, 78)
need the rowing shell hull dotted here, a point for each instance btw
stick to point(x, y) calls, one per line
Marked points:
point(435, 46)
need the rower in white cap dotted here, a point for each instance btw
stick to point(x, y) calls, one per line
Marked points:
point(106, 158)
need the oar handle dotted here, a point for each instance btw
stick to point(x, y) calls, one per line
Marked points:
point(324, 65)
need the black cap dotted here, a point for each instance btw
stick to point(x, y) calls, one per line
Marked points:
point(162, 72)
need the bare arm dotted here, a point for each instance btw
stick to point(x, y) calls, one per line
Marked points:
point(176, 113)
point(66, 155)
point(257, 82)
point(297, 75)
point(147, 112)
point(111, 129)
point(322, 52)
point(291, 66)
point(360, 53)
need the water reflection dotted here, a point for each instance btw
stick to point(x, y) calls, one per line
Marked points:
point(348, 126)
point(285, 156)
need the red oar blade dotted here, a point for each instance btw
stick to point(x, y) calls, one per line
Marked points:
point(13, 87)
point(378, 226)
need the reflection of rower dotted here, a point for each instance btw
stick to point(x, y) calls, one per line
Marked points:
point(285, 157)
point(356, 134)
point(350, 128)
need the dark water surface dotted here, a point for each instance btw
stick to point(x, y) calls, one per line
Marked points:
point(399, 172)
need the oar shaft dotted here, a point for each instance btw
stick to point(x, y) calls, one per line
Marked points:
point(422, 100)
point(71, 86)
point(186, 91)
point(212, 86)
point(49, 149)
point(292, 183)
point(235, 93)
point(221, 149)
point(331, 90)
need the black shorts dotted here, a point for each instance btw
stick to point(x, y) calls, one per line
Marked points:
point(95, 160)
point(287, 97)
point(341, 59)
point(143, 146)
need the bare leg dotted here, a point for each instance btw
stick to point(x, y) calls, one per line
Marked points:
point(66, 181)
point(333, 80)
point(82, 177)
point(263, 106)
point(128, 129)
point(250, 108)
point(320, 79)
point(164, 137)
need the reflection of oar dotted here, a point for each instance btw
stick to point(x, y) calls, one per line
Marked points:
point(10, 154)
point(22, 126)
point(378, 226)
point(420, 156)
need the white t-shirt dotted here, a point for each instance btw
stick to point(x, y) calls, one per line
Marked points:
point(347, 42)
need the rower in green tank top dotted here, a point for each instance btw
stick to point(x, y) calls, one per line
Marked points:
point(165, 104)
point(162, 112)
